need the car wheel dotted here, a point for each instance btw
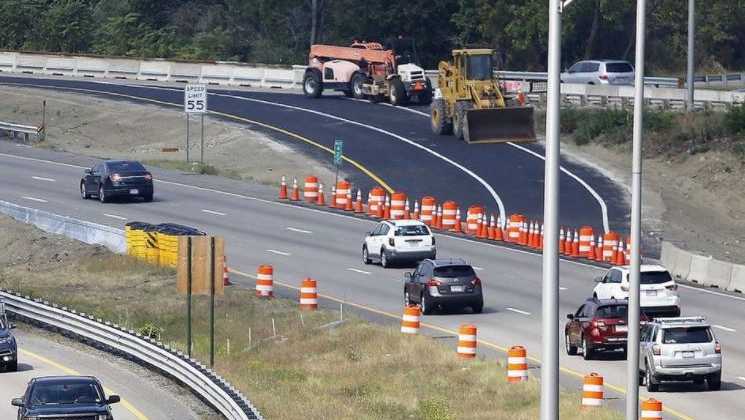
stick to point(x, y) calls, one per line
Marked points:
point(384, 259)
point(478, 308)
point(586, 350)
point(365, 256)
point(698, 381)
point(101, 195)
point(12, 366)
point(148, 198)
point(357, 81)
point(714, 381)
point(312, 84)
point(425, 304)
point(652, 385)
point(83, 193)
point(571, 350)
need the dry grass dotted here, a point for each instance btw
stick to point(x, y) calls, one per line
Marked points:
point(309, 370)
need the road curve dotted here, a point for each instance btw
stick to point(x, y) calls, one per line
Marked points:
point(257, 231)
point(144, 395)
point(401, 148)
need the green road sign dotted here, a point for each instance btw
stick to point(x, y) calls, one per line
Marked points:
point(338, 151)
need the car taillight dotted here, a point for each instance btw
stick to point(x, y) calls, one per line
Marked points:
point(603, 77)
point(598, 324)
point(116, 177)
point(476, 282)
point(656, 350)
point(148, 177)
point(718, 348)
point(391, 242)
point(625, 287)
point(433, 282)
point(672, 287)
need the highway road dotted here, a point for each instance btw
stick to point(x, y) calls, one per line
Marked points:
point(302, 242)
point(144, 394)
point(400, 147)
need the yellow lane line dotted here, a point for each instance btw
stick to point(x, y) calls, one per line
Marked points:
point(296, 136)
point(126, 404)
point(503, 349)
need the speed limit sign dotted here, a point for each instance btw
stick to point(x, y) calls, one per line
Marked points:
point(195, 99)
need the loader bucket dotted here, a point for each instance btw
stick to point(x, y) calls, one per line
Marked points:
point(499, 125)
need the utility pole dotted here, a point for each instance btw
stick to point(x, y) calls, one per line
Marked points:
point(550, 288)
point(632, 362)
point(690, 81)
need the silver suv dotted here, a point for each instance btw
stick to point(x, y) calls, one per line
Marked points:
point(679, 349)
point(600, 72)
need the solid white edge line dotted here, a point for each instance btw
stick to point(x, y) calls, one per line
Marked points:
point(518, 311)
point(274, 251)
point(742, 378)
point(562, 288)
point(723, 328)
point(38, 200)
point(359, 271)
point(217, 213)
point(41, 178)
point(711, 292)
point(603, 207)
point(114, 216)
point(298, 230)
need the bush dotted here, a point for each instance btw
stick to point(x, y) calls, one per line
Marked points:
point(734, 120)
point(434, 409)
point(613, 124)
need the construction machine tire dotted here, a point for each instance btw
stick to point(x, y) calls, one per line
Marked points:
point(312, 84)
point(357, 81)
point(439, 118)
point(459, 118)
point(398, 93)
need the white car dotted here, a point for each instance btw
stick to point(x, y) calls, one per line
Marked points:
point(659, 292)
point(398, 240)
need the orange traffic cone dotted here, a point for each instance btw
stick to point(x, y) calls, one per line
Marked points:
point(575, 244)
point(591, 252)
point(530, 235)
point(415, 215)
point(348, 205)
point(599, 248)
point(320, 200)
point(387, 211)
point(562, 242)
point(407, 215)
point(295, 191)
point(332, 202)
point(483, 232)
point(358, 203)
point(457, 228)
point(283, 188)
point(439, 217)
point(490, 229)
point(225, 277)
point(620, 256)
point(540, 242)
point(498, 236)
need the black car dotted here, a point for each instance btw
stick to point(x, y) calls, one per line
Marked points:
point(79, 397)
point(443, 283)
point(8, 346)
point(117, 178)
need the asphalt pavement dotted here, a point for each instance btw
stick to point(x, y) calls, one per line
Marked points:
point(303, 242)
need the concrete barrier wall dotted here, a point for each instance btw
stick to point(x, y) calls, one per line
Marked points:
point(704, 270)
point(87, 232)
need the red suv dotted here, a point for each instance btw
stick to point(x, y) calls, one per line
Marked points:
point(598, 325)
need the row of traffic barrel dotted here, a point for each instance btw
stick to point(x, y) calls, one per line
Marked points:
point(156, 244)
point(609, 247)
point(593, 393)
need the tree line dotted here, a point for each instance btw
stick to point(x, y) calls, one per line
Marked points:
point(280, 31)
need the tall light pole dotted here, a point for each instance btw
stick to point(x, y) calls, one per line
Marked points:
point(691, 44)
point(550, 295)
point(632, 364)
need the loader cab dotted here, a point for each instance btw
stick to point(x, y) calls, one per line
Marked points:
point(479, 67)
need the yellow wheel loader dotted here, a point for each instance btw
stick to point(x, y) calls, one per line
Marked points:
point(469, 103)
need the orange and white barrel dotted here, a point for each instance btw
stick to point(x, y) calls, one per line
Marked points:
point(586, 237)
point(343, 189)
point(514, 226)
point(428, 209)
point(517, 364)
point(308, 294)
point(449, 215)
point(265, 281)
point(310, 189)
point(398, 205)
point(474, 215)
point(411, 319)
point(651, 410)
point(376, 201)
point(592, 390)
point(467, 341)
point(610, 244)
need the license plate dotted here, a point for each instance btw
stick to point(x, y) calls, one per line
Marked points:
point(134, 191)
point(688, 354)
point(651, 293)
point(621, 328)
point(457, 288)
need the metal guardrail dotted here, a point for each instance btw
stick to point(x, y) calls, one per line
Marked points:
point(20, 128)
point(204, 382)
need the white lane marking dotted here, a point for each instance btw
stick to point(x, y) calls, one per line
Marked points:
point(723, 328)
point(477, 268)
point(603, 207)
point(23, 145)
point(711, 292)
point(217, 213)
point(562, 288)
point(113, 216)
point(742, 378)
point(38, 200)
point(41, 178)
point(359, 271)
point(299, 230)
point(274, 251)
point(517, 311)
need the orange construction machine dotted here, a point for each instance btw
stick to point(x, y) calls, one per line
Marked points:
point(365, 70)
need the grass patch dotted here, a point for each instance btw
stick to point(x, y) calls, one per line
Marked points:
point(356, 370)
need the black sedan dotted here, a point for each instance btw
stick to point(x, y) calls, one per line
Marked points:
point(443, 283)
point(117, 178)
point(79, 397)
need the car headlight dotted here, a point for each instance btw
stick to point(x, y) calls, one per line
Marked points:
point(6, 340)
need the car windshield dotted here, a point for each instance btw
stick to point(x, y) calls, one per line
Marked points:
point(684, 335)
point(125, 167)
point(655, 277)
point(612, 311)
point(412, 230)
point(67, 392)
point(618, 68)
point(454, 271)
point(479, 67)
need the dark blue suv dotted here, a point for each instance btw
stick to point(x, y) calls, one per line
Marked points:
point(8, 346)
point(74, 397)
